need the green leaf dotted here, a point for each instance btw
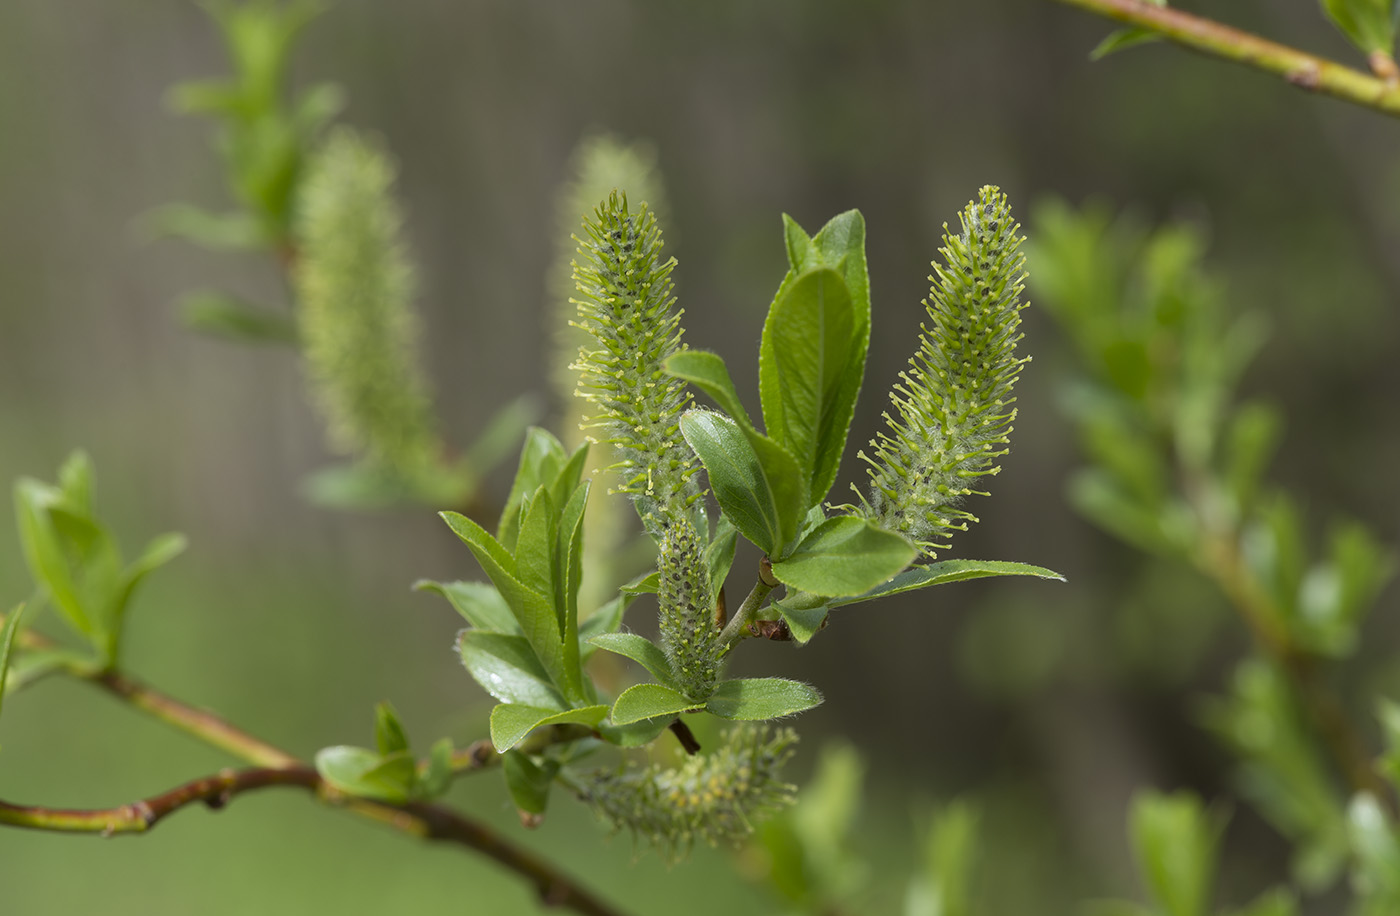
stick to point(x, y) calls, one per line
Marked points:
point(811, 362)
point(388, 730)
point(763, 495)
point(947, 571)
point(536, 549)
point(43, 551)
point(533, 610)
point(803, 623)
point(236, 231)
point(648, 701)
point(365, 774)
point(1277, 902)
point(1376, 852)
point(1122, 39)
point(158, 552)
point(1176, 846)
point(529, 783)
point(708, 372)
point(512, 722)
point(645, 584)
point(641, 650)
point(542, 457)
point(222, 315)
point(7, 640)
point(1370, 24)
point(569, 575)
point(635, 734)
point(508, 669)
point(606, 619)
point(437, 778)
point(505, 428)
point(480, 604)
point(845, 556)
point(719, 553)
point(758, 698)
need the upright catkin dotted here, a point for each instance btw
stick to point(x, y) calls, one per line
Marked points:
point(688, 633)
point(625, 302)
point(953, 404)
point(354, 308)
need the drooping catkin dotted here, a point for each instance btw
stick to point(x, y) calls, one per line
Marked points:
point(953, 405)
point(715, 798)
point(688, 633)
point(354, 290)
point(625, 302)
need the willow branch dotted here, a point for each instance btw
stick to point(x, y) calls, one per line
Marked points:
point(1304, 70)
point(430, 822)
point(427, 821)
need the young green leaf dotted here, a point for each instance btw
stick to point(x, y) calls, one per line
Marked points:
point(512, 722)
point(529, 784)
point(641, 650)
point(708, 372)
point(764, 495)
point(803, 623)
point(222, 315)
point(542, 459)
point(480, 604)
point(760, 698)
point(1176, 844)
point(845, 556)
point(8, 632)
point(365, 774)
point(536, 550)
point(1370, 24)
point(534, 611)
point(648, 701)
point(389, 734)
point(946, 571)
point(437, 778)
point(607, 619)
point(507, 668)
point(810, 366)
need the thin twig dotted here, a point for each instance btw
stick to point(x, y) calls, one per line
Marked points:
point(431, 822)
point(1304, 70)
point(428, 821)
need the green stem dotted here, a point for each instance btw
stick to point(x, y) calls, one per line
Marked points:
point(734, 629)
point(1304, 70)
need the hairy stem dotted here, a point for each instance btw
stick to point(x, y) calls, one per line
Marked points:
point(1216, 40)
point(274, 766)
point(734, 629)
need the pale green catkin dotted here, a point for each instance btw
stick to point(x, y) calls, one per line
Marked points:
point(688, 633)
point(954, 403)
point(713, 797)
point(625, 303)
point(354, 290)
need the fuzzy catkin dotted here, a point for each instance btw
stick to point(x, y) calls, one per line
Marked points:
point(354, 290)
point(953, 405)
point(625, 303)
point(713, 797)
point(688, 633)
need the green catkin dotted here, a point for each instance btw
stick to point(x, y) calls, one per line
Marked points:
point(625, 303)
point(354, 290)
point(714, 798)
point(688, 633)
point(954, 403)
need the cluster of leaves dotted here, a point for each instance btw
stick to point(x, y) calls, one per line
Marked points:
point(390, 773)
point(1177, 467)
point(77, 567)
point(527, 645)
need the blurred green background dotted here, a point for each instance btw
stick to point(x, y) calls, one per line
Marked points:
point(1049, 703)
